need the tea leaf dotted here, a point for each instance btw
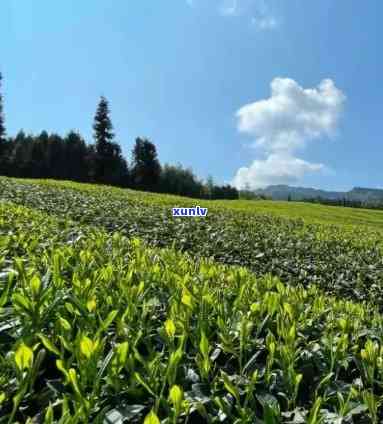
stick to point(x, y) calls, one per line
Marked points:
point(23, 357)
point(87, 346)
point(170, 328)
point(151, 418)
point(48, 344)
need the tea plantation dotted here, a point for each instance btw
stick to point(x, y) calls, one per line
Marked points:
point(113, 311)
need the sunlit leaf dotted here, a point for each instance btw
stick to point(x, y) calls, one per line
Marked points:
point(23, 357)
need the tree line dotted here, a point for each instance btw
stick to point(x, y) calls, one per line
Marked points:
point(69, 157)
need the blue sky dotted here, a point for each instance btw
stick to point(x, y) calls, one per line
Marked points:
point(195, 77)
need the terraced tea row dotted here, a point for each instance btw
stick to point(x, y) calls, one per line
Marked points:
point(346, 262)
point(99, 328)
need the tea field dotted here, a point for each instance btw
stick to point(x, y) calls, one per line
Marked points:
point(310, 212)
point(113, 311)
point(345, 260)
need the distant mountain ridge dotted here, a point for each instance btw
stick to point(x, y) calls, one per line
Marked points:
point(284, 192)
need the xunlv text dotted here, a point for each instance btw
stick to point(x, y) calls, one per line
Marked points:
point(195, 211)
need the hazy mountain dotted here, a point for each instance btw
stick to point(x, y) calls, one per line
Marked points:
point(283, 192)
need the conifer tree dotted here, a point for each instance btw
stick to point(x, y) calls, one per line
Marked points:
point(103, 135)
point(103, 128)
point(110, 166)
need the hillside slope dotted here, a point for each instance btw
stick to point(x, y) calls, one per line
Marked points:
point(311, 213)
point(341, 259)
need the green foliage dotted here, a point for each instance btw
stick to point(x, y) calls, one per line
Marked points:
point(146, 168)
point(49, 155)
point(177, 180)
point(99, 327)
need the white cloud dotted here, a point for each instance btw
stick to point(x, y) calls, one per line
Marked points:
point(284, 123)
point(292, 115)
point(277, 168)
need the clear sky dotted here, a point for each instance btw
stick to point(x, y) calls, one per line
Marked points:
point(248, 91)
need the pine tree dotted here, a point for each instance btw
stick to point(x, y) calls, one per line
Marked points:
point(103, 135)
point(110, 166)
point(103, 128)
